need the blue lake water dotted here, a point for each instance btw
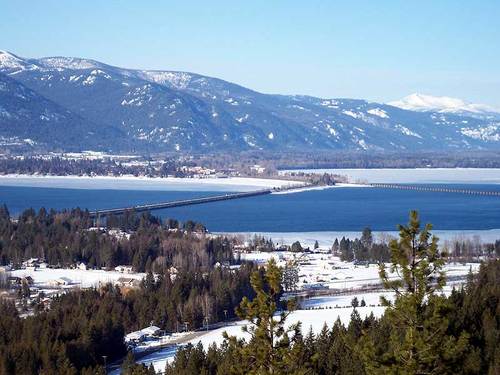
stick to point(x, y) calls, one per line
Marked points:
point(338, 209)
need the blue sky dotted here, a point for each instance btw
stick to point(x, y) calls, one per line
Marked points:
point(377, 50)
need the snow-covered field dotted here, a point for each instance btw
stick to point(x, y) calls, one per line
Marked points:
point(326, 270)
point(415, 175)
point(144, 183)
point(79, 278)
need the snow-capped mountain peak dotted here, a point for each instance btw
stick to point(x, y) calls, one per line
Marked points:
point(444, 104)
point(73, 63)
point(10, 61)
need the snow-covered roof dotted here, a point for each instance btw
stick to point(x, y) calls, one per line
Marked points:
point(64, 280)
point(138, 335)
point(150, 330)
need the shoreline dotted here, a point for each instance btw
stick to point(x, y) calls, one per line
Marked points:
point(316, 188)
point(325, 238)
point(125, 182)
point(411, 175)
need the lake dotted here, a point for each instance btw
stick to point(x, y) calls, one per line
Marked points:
point(335, 209)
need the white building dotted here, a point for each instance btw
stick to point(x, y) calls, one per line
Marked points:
point(32, 262)
point(124, 269)
point(82, 266)
point(5, 268)
point(61, 281)
point(143, 334)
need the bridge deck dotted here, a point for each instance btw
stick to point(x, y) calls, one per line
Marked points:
point(435, 189)
point(179, 203)
point(229, 196)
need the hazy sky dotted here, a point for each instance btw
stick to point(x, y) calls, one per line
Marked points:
point(377, 50)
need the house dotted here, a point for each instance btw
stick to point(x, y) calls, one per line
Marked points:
point(82, 266)
point(134, 337)
point(32, 262)
point(124, 269)
point(365, 263)
point(14, 280)
point(240, 247)
point(151, 331)
point(45, 302)
point(5, 268)
point(258, 168)
point(61, 281)
point(145, 333)
point(128, 281)
point(173, 273)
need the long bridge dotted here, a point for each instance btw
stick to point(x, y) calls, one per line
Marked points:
point(435, 189)
point(179, 203)
point(230, 196)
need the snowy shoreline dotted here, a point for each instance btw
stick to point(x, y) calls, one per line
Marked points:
point(315, 188)
point(325, 238)
point(412, 175)
point(143, 183)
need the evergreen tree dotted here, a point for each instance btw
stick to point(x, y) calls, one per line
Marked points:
point(419, 343)
point(355, 302)
point(367, 238)
point(290, 276)
point(269, 347)
point(335, 247)
point(296, 247)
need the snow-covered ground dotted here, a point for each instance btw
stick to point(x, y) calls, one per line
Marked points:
point(300, 190)
point(310, 319)
point(144, 183)
point(79, 278)
point(326, 270)
point(315, 312)
point(415, 175)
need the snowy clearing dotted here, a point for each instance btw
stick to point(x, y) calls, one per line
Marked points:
point(328, 271)
point(79, 278)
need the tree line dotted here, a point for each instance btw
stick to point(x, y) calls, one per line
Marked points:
point(59, 166)
point(147, 243)
point(364, 249)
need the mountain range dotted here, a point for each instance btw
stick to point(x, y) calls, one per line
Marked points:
point(75, 104)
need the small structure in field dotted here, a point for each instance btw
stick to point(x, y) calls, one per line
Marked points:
point(124, 269)
point(143, 334)
point(82, 266)
point(61, 281)
point(128, 282)
point(5, 268)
